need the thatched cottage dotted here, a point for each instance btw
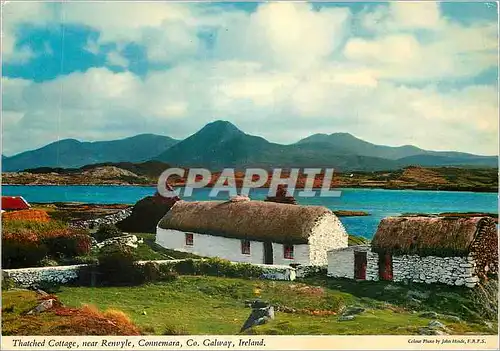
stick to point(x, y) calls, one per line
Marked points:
point(252, 231)
point(454, 251)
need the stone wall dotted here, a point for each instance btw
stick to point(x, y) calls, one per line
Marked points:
point(109, 219)
point(429, 269)
point(26, 277)
point(327, 234)
point(432, 269)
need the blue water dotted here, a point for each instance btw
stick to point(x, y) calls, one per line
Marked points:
point(378, 202)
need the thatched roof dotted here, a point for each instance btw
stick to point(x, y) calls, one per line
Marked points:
point(252, 220)
point(426, 236)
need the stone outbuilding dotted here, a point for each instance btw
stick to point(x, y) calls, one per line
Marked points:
point(423, 249)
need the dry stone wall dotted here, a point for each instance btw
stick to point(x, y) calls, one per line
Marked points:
point(431, 269)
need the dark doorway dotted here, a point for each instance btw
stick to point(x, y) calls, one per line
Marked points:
point(360, 265)
point(385, 266)
point(268, 253)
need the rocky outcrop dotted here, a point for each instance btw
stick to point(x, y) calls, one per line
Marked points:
point(127, 240)
point(146, 214)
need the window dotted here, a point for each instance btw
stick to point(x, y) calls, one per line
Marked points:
point(245, 247)
point(288, 251)
point(189, 239)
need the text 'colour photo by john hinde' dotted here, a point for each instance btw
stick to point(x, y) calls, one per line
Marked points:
point(196, 175)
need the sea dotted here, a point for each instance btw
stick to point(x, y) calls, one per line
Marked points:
point(379, 203)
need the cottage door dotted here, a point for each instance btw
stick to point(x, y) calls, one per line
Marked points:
point(268, 252)
point(385, 267)
point(360, 265)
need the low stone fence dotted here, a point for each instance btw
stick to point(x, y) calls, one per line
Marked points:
point(26, 277)
point(109, 219)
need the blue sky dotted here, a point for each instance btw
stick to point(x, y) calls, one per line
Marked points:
point(169, 68)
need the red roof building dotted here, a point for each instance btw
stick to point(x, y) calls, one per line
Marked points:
point(14, 203)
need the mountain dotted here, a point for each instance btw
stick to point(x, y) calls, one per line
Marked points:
point(71, 153)
point(221, 144)
point(404, 155)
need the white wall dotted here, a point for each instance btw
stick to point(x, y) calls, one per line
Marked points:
point(210, 246)
point(341, 262)
point(328, 234)
point(300, 254)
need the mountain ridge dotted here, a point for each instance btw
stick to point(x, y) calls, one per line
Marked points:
point(221, 144)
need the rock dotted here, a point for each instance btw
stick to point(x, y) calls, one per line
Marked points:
point(346, 318)
point(43, 306)
point(128, 240)
point(353, 310)
point(459, 282)
point(429, 314)
point(144, 313)
point(436, 324)
point(391, 287)
point(455, 319)
point(258, 316)
point(418, 294)
point(430, 331)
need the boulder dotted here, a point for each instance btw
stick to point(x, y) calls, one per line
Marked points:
point(128, 240)
point(346, 318)
point(261, 313)
point(429, 314)
point(350, 311)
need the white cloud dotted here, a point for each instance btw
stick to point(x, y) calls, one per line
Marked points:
point(114, 58)
point(284, 71)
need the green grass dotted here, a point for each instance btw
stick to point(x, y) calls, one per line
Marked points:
point(214, 305)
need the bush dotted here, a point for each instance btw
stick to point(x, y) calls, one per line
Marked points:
point(172, 329)
point(485, 298)
point(48, 262)
point(167, 274)
point(117, 265)
point(22, 250)
point(69, 243)
point(151, 272)
point(107, 231)
point(8, 283)
point(26, 243)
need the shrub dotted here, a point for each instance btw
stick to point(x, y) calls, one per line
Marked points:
point(48, 262)
point(167, 274)
point(485, 298)
point(8, 283)
point(107, 231)
point(22, 250)
point(151, 272)
point(26, 243)
point(117, 265)
point(68, 242)
point(172, 329)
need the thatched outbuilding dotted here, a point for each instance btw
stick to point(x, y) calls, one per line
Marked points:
point(252, 231)
point(428, 249)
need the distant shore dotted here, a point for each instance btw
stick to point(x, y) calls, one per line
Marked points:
point(347, 186)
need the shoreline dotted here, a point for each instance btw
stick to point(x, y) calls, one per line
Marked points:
point(454, 189)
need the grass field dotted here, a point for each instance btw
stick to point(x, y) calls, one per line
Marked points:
point(214, 305)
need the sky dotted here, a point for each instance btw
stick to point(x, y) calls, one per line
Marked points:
point(398, 73)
